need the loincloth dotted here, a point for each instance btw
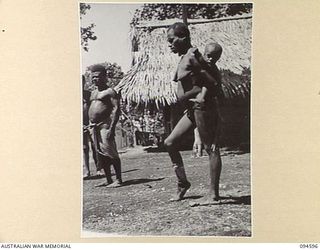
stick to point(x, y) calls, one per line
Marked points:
point(104, 146)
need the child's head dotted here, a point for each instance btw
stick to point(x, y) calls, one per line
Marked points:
point(212, 53)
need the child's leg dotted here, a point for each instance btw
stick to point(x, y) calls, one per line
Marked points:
point(194, 149)
point(196, 142)
point(86, 154)
point(200, 149)
point(207, 124)
point(86, 160)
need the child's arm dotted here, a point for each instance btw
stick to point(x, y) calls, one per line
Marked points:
point(201, 96)
point(190, 94)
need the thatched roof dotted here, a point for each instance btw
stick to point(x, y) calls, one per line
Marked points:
point(150, 78)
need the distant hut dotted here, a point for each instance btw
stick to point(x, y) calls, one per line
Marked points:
point(149, 81)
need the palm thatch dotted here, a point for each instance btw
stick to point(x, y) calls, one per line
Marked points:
point(150, 78)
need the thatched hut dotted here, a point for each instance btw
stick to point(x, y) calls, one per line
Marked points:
point(149, 81)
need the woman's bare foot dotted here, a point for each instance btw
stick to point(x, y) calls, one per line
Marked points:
point(206, 200)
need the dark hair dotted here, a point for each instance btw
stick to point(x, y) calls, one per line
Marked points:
point(180, 30)
point(217, 49)
point(98, 68)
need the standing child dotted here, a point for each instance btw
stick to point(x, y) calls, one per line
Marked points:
point(87, 141)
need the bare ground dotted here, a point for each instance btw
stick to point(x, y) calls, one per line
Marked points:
point(142, 207)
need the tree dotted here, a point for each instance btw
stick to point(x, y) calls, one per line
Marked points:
point(87, 33)
point(194, 11)
point(114, 73)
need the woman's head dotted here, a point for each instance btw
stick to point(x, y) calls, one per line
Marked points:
point(178, 36)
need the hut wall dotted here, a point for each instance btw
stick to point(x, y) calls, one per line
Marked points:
point(235, 128)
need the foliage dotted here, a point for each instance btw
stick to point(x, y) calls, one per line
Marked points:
point(114, 73)
point(236, 87)
point(83, 9)
point(194, 11)
point(87, 33)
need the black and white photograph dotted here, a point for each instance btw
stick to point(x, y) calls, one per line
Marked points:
point(166, 119)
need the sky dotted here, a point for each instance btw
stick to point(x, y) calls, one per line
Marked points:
point(112, 28)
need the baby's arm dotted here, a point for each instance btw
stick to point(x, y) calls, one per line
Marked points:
point(201, 96)
point(190, 94)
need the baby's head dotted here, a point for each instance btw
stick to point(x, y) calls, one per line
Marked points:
point(212, 53)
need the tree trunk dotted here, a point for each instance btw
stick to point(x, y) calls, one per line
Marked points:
point(184, 14)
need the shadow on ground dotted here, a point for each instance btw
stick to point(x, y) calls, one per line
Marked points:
point(139, 181)
point(237, 150)
point(155, 149)
point(241, 200)
point(96, 177)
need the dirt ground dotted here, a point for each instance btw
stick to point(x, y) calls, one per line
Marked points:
point(142, 207)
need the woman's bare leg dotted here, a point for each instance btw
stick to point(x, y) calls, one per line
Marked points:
point(172, 146)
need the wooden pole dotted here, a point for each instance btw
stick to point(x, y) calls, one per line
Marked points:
point(164, 24)
point(184, 14)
